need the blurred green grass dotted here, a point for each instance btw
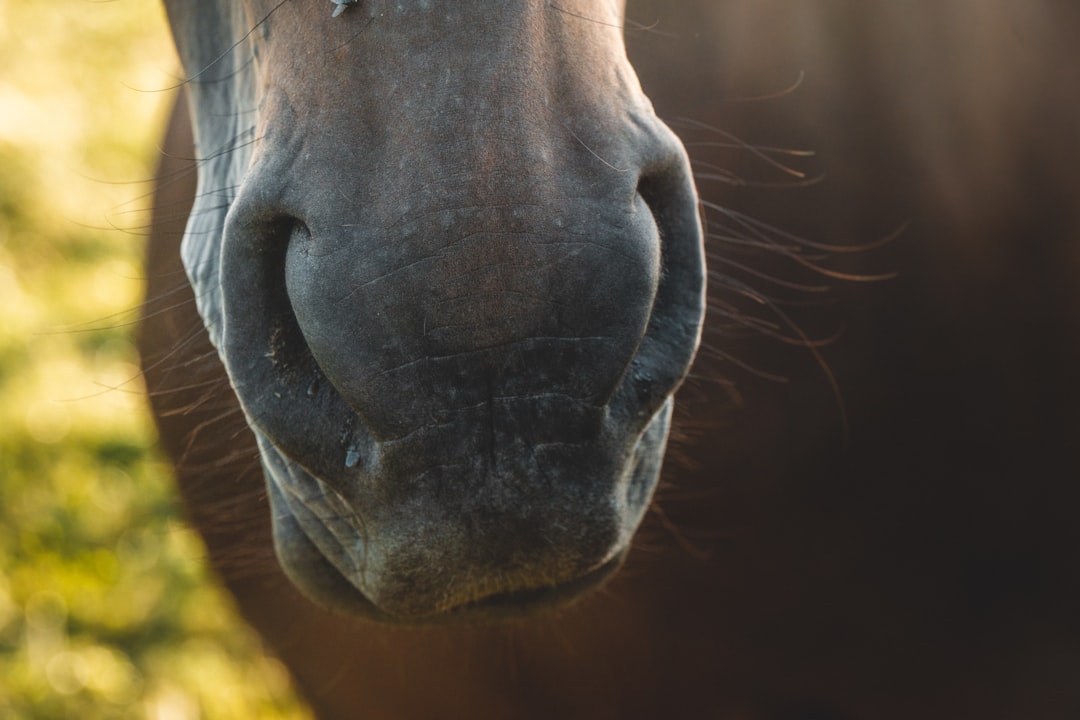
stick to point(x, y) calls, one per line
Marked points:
point(106, 607)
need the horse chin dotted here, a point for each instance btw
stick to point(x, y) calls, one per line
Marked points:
point(317, 578)
point(322, 553)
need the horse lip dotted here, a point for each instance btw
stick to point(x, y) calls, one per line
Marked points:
point(522, 602)
point(498, 606)
point(340, 594)
point(322, 562)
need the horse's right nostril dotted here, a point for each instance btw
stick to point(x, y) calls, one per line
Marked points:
point(277, 379)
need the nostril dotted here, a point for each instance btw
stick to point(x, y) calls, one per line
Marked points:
point(297, 229)
point(285, 346)
point(674, 328)
point(280, 385)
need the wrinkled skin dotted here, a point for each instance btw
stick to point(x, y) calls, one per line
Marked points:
point(454, 283)
point(921, 561)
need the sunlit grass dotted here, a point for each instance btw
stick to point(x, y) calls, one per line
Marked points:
point(106, 607)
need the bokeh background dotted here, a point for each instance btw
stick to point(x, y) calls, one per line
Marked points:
point(106, 607)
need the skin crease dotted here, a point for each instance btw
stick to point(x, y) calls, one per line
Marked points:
point(923, 567)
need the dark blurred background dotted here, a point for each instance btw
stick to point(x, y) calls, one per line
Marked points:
point(919, 557)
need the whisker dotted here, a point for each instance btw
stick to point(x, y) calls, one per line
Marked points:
point(225, 53)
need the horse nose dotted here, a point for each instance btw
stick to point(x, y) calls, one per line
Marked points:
point(504, 300)
point(478, 372)
point(549, 281)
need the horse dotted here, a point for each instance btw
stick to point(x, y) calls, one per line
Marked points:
point(451, 260)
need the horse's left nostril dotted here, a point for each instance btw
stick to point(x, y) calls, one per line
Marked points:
point(674, 328)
